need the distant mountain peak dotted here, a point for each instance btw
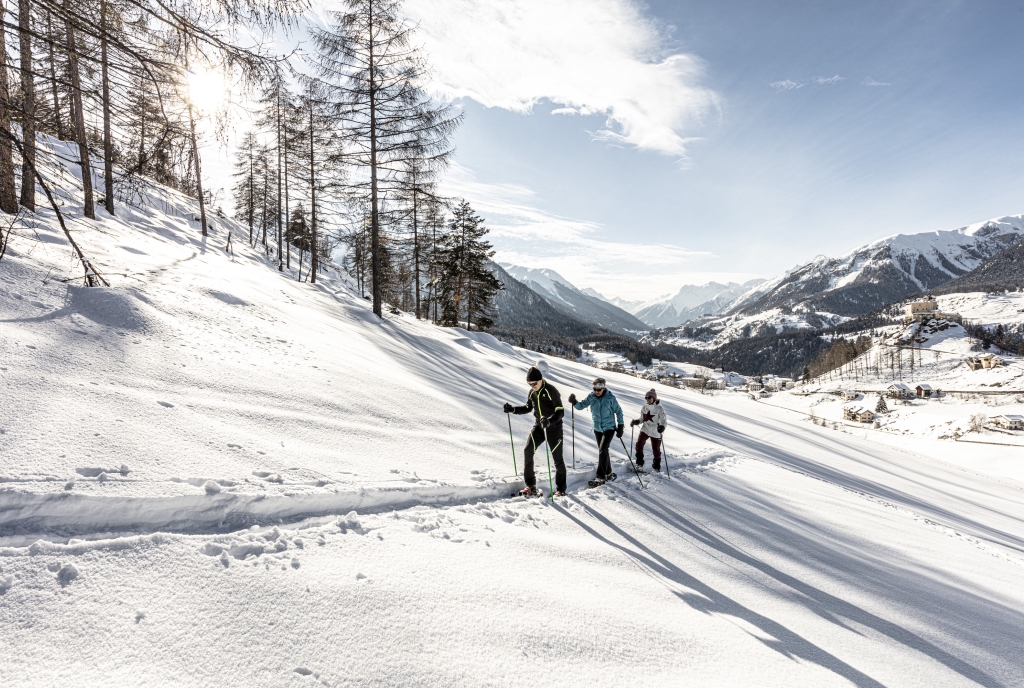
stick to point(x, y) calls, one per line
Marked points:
point(577, 303)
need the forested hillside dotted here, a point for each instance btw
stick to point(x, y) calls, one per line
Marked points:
point(338, 147)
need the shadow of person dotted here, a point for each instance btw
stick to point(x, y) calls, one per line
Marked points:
point(786, 642)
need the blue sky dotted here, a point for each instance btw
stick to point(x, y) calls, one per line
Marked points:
point(638, 147)
point(725, 140)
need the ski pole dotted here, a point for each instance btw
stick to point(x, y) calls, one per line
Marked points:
point(631, 462)
point(547, 450)
point(514, 467)
point(664, 456)
point(572, 414)
point(631, 438)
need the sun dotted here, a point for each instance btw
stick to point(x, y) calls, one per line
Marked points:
point(209, 89)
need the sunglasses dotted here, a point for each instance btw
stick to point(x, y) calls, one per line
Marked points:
point(535, 382)
point(598, 389)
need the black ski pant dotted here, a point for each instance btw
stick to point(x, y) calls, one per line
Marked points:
point(604, 462)
point(655, 447)
point(554, 439)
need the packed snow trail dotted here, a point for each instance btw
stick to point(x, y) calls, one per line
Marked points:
point(737, 573)
point(204, 393)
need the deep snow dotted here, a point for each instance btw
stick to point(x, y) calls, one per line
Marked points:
point(215, 474)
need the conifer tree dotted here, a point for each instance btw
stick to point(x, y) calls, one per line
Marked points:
point(467, 286)
point(244, 190)
point(375, 74)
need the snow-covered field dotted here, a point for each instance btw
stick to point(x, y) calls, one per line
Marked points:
point(215, 474)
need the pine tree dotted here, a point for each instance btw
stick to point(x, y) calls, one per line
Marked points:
point(376, 77)
point(244, 190)
point(881, 406)
point(467, 286)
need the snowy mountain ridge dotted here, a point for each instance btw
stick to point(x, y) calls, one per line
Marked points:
point(570, 300)
point(882, 271)
point(692, 301)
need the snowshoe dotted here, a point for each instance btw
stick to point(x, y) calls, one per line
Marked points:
point(559, 493)
point(528, 492)
point(596, 482)
point(610, 477)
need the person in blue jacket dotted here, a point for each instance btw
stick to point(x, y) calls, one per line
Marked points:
point(606, 419)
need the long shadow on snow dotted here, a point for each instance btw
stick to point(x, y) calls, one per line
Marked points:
point(822, 604)
point(705, 428)
point(961, 609)
point(709, 601)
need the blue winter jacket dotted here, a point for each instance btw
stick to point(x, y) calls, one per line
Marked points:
point(604, 411)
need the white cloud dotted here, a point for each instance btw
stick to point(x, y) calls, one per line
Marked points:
point(790, 85)
point(591, 57)
point(526, 235)
point(868, 81)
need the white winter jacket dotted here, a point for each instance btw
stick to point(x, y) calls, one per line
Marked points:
point(652, 416)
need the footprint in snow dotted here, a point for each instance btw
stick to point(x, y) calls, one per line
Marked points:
point(166, 404)
point(66, 574)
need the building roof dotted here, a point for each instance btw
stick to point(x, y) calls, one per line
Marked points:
point(924, 385)
point(899, 385)
point(1015, 417)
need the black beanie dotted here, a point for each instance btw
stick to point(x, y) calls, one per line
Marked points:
point(532, 375)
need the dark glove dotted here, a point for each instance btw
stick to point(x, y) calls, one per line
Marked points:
point(507, 407)
point(618, 430)
point(545, 422)
point(634, 423)
point(572, 399)
point(661, 429)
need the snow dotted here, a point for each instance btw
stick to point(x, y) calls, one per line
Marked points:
point(362, 532)
point(942, 250)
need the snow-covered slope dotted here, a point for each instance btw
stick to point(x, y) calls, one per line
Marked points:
point(883, 271)
point(214, 474)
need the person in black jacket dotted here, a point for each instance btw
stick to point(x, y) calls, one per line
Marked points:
point(546, 404)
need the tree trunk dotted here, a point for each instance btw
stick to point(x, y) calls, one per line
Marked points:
point(8, 197)
point(142, 129)
point(108, 143)
point(28, 90)
point(313, 262)
point(374, 216)
point(433, 267)
point(287, 208)
point(53, 77)
point(416, 251)
point(199, 175)
point(266, 190)
point(252, 196)
point(78, 115)
point(280, 232)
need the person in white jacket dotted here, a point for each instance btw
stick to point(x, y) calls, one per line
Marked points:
point(652, 422)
